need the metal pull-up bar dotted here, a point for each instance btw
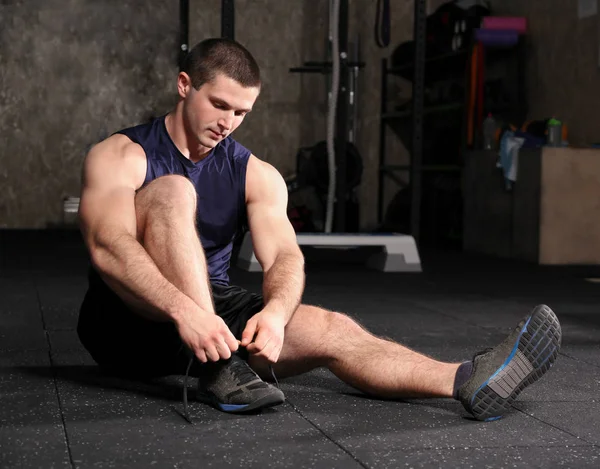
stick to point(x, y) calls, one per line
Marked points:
point(228, 18)
point(184, 26)
point(227, 24)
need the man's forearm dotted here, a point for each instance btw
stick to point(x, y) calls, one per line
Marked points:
point(128, 269)
point(283, 284)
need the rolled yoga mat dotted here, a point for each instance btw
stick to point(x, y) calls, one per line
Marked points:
point(512, 23)
point(490, 37)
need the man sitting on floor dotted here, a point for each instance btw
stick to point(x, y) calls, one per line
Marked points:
point(161, 206)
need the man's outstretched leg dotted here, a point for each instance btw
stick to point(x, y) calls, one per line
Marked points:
point(486, 386)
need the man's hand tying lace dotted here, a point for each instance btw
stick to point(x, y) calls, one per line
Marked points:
point(267, 328)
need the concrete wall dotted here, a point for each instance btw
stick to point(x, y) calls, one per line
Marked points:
point(74, 71)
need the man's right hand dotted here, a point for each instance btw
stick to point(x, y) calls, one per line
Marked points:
point(207, 336)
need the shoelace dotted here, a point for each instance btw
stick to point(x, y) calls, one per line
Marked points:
point(185, 382)
point(243, 372)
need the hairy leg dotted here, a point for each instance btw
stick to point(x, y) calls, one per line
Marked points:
point(166, 227)
point(315, 337)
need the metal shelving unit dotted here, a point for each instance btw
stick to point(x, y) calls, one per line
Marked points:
point(416, 71)
point(417, 113)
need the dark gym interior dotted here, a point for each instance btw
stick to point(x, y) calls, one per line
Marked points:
point(467, 163)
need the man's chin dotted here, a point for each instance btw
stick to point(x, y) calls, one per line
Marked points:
point(207, 142)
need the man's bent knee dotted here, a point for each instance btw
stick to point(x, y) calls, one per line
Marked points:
point(341, 328)
point(171, 189)
point(164, 197)
point(328, 331)
point(339, 323)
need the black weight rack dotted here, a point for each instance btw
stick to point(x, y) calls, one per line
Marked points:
point(413, 119)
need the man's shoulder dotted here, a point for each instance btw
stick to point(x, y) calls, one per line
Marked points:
point(119, 150)
point(116, 158)
point(263, 176)
point(119, 145)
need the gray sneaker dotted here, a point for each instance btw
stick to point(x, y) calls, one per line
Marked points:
point(501, 373)
point(232, 386)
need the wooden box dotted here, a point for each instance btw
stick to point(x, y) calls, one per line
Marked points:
point(550, 216)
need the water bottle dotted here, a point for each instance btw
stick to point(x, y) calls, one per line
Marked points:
point(489, 132)
point(554, 132)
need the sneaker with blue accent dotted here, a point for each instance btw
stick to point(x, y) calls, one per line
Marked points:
point(501, 373)
point(232, 386)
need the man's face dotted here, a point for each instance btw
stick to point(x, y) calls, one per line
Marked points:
point(216, 109)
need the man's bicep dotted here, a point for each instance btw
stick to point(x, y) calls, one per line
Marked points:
point(270, 228)
point(271, 234)
point(106, 209)
point(107, 200)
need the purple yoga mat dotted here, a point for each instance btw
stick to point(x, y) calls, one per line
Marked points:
point(514, 23)
point(492, 37)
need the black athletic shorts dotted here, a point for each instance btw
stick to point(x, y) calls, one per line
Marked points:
point(123, 342)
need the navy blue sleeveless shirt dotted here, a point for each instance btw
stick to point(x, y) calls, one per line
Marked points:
point(220, 182)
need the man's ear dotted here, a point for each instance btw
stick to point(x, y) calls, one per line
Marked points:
point(184, 84)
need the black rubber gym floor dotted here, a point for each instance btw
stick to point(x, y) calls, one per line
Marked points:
point(58, 411)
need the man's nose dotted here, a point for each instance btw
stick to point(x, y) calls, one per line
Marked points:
point(226, 121)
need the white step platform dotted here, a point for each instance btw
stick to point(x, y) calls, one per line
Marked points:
point(398, 254)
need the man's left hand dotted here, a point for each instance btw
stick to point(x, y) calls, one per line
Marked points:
point(267, 329)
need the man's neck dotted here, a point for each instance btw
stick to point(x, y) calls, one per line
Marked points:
point(181, 139)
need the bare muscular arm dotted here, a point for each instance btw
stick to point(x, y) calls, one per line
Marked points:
point(274, 238)
point(112, 172)
point(277, 250)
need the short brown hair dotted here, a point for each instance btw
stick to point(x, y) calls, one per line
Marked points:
point(221, 55)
